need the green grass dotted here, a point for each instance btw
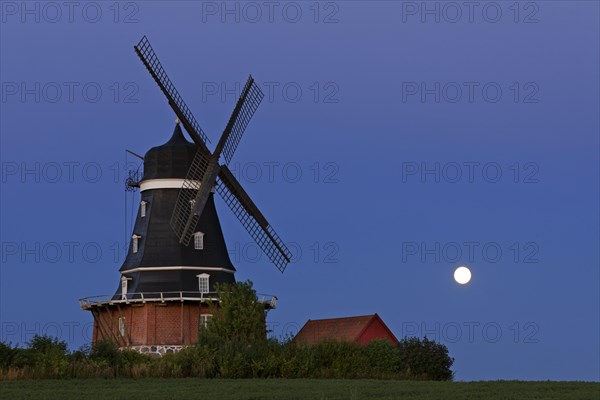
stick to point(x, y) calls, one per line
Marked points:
point(191, 388)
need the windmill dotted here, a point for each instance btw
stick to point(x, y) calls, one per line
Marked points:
point(206, 171)
point(167, 282)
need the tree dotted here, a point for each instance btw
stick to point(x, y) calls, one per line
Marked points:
point(47, 344)
point(47, 353)
point(238, 317)
point(425, 359)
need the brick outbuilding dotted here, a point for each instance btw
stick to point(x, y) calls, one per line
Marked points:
point(361, 329)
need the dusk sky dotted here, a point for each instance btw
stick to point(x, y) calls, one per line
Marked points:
point(396, 142)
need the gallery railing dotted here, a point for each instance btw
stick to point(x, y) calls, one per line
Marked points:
point(269, 301)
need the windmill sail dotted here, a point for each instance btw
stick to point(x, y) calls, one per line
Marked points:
point(252, 219)
point(184, 208)
point(251, 97)
point(245, 107)
point(149, 58)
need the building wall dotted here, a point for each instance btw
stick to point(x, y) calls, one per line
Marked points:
point(376, 331)
point(150, 324)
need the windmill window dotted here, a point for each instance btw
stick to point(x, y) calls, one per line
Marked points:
point(199, 241)
point(122, 326)
point(135, 243)
point(124, 285)
point(204, 320)
point(203, 283)
point(192, 204)
point(143, 208)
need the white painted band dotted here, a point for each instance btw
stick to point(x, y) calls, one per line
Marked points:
point(162, 184)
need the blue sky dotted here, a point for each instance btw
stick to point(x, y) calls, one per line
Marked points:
point(390, 149)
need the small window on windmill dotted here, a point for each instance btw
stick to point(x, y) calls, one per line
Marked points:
point(121, 326)
point(192, 204)
point(143, 208)
point(124, 284)
point(204, 320)
point(199, 241)
point(135, 243)
point(203, 283)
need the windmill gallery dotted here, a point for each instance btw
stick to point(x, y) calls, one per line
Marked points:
point(177, 254)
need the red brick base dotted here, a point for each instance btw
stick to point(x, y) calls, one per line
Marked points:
point(149, 324)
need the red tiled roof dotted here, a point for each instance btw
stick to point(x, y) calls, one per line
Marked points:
point(346, 329)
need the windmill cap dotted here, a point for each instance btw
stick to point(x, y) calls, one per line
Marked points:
point(171, 159)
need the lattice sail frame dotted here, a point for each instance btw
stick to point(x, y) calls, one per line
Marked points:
point(251, 102)
point(184, 205)
point(146, 53)
point(252, 219)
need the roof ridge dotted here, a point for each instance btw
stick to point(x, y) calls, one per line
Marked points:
point(356, 316)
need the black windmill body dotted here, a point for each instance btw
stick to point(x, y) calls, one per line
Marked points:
point(160, 263)
point(177, 245)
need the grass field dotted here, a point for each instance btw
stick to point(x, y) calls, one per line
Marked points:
point(190, 388)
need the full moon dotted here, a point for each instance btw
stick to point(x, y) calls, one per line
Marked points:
point(462, 275)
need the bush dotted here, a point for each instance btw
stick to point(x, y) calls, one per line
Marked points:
point(383, 357)
point(105, 351)
point(425, 359)
point(82, 354)
point(6, 354)
point(217, 358)
point(48, 355)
